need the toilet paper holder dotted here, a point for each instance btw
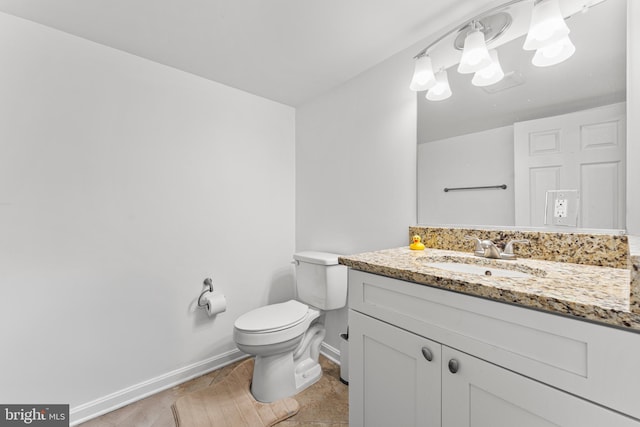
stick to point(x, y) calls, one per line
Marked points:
point(209, 283)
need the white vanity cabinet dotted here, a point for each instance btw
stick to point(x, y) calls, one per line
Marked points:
point(421, 356)
point(394, 383)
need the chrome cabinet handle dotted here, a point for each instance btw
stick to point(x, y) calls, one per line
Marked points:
point(427, 354)
point(453, 366)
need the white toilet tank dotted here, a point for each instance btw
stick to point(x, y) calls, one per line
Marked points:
point(321, 282)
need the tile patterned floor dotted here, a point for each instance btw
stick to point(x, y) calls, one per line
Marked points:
point(324, 404)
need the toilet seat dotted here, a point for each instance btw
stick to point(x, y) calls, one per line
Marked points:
point(272, 318)
point(274, 324)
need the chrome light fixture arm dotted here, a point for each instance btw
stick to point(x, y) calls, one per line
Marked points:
point(466, 24)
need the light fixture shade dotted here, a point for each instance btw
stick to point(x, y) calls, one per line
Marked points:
point(490, 74)
point(423, 77)
point(554, 54)
point(441, 90)
point(547, 25)
point(475, 55)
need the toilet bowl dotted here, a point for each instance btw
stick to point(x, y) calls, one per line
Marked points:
point(276, 334)
point(286, 337)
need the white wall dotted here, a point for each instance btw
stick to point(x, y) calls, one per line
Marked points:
point(356, 167)
point(476, 159)
point(123, 184)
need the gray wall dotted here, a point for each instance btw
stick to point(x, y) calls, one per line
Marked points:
point(356, 167)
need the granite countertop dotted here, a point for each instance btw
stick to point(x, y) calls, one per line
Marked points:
point(600, 294)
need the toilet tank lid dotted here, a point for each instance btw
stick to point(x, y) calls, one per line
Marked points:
point(322, 258)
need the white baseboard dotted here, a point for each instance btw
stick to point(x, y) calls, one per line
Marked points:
point(330, 352)
point(118, 399)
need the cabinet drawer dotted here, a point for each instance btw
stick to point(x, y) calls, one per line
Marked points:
point(592, 361)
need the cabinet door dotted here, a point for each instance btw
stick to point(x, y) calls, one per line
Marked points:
point(391, 380)
point(481, 394)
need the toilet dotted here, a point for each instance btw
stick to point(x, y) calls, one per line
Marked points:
point(285, 337)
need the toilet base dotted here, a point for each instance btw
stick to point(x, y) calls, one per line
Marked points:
point(308, 373)
point(272, 379)
point(285, 374)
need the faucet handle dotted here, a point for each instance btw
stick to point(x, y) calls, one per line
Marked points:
point(479, 250)
point(490, 250)
point(508, 249)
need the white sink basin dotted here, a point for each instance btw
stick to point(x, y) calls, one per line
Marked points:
point(479, 270)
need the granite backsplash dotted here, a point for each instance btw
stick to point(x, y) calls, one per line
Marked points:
point(605, 250)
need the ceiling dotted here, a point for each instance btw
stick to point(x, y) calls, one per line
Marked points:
point(289, 51)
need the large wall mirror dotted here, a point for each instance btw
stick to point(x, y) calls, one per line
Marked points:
point(468, 139)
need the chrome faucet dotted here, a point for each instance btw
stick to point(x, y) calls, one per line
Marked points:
point(488, 249)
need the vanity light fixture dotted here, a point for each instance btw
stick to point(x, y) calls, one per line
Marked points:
point(423, 77)
point(548, 35)
point(547, 25)
point(441, 90)
point(490, 74)
point(554, 53)
point(475, 55)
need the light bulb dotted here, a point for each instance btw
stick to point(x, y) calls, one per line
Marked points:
point(441, 89)
point(423, 77)
point(547, 25)
point(490, 74)
point(554, 53)
point(474, 55)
